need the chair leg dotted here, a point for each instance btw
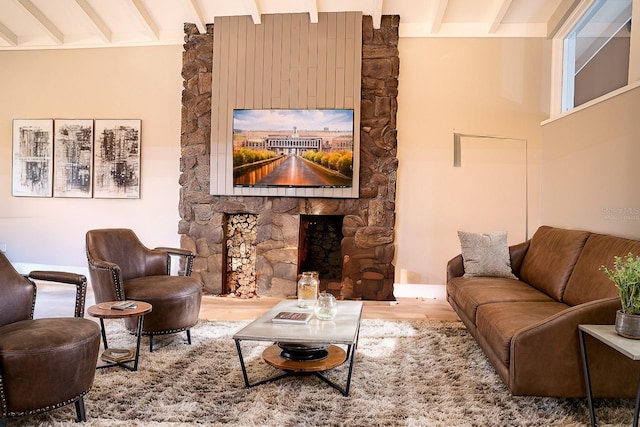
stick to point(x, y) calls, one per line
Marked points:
point(80, 412)
point(150, 343)
point(189, 336)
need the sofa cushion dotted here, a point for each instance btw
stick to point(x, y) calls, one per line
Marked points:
point(552, 254)
point(499, 322)
point(588, 282)
point(469, 293)
point(485, 254)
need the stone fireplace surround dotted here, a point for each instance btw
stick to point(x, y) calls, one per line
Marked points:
point(367, 248)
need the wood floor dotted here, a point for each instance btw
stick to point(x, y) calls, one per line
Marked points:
point(57, 300)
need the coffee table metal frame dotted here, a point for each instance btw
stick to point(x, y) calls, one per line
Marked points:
point(102, 311)
point(342, 330)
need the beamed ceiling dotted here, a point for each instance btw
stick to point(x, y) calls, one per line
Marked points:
point(62, 24)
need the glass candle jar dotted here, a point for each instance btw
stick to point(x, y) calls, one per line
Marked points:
point(326, 307)
point(308, 289)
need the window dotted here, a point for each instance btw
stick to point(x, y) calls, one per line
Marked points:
point(596, 52)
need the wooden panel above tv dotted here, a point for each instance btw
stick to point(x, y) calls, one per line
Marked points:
point(285, 62)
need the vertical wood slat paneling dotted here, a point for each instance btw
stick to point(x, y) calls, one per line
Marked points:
point(247, 72)
point(321, 84)
point(276, 64)
point(285, 62)
point(312, 67)
point(303, 61)
point(285, 68)
point(241, 62)
point(332, 49)
point(294, 61)
point(221, 103)
point(259, 64)
point(268, 22)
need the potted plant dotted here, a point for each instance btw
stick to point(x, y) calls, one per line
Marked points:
point(626, 276)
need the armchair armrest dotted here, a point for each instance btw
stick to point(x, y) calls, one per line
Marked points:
point(79, 280)
point(186, 254)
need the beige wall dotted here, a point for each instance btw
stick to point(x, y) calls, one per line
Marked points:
point(136, 83)
point(474, 86)
point(591, 168)
point(481, 86)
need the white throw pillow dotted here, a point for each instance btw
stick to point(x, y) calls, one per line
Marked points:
point(485, 254)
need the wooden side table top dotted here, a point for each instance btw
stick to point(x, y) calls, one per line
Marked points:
point(608, 335)
point(104, 310)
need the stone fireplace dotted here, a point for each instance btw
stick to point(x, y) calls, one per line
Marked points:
point(366, 224)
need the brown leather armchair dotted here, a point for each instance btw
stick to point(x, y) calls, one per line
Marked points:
point(122, 268)
point(44, 363)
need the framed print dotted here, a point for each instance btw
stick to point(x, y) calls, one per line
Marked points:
point(32, 157)
point(116, 159)
point(73, 158)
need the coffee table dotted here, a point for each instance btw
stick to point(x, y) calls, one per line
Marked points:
point(332, 335)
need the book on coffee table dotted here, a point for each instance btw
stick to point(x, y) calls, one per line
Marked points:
point(292, 317)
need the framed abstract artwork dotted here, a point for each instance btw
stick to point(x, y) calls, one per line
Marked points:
point(32, 158)
point(73, 158)
point(116, 159)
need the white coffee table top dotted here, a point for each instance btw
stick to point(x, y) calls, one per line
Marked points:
point(343, 329)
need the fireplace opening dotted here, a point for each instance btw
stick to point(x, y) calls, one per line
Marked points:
point(319, 249)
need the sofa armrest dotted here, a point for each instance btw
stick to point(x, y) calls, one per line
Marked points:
point(552, 346)
point(455, 267)
point(516, 254)
point(79, 280)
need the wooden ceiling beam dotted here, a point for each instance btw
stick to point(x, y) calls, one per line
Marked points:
point(498, 16)
point(440, 7)
point(254, 11)
point(312, 5)
point(560, 15)
point(48, 26)
point(198, 17)
point(377, 13)
point(96, 20)
point(145, 18)
point(7, 35)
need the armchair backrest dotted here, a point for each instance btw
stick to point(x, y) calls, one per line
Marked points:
point(120, 251)
point(17, 294)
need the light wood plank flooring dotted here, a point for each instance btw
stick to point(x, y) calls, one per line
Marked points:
point(57, 300)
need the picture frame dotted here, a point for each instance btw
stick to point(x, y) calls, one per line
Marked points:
point(73, 158)
point(116, 159)
point(32, 158)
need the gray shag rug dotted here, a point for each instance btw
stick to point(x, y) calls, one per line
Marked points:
point(407, 373)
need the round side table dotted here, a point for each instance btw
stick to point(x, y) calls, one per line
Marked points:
point(120, 357)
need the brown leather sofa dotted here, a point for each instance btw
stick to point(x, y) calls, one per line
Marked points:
point(528, 327)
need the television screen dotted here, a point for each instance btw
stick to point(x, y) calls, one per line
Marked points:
point(293, 148)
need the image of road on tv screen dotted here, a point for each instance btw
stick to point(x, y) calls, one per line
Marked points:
point(293, 148)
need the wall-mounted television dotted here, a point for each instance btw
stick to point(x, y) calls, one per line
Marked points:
point(293, 148)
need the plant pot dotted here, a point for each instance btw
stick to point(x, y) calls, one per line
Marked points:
point(628, 325)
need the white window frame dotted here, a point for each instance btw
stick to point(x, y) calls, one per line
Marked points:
point(563, 66)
